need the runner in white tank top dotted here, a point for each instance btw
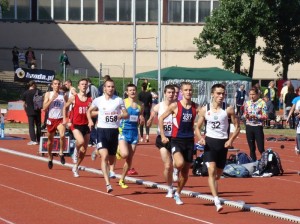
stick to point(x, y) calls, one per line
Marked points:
point(165, 149)
point(217, 141)
point(54, 101)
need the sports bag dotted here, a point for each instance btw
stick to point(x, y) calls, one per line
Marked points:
point(235, 170)
point(37, 101)
point(199, 167)
point(270, 163)
point(243, 158)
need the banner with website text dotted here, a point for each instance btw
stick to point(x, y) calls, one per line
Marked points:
point(38, 75)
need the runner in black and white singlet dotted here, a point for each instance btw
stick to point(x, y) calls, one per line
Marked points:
point(182, 141)
point(165, 149)
point(54, 102)
point(111, 109)
point(217, 140)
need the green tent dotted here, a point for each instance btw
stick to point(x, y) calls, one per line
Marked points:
point(204, 74)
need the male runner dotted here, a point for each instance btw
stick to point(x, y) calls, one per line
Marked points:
point(54, 102)
point(79, 122)
point(129, 136)
point(111, 109)
point(182, 141)
point(165, 149)
point(216, 141)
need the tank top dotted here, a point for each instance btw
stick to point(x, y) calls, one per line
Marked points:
point(217, 125)
point(168, 121)
point(56, 106)
point(183, 123)
point(134, 111)
point(79, 111)
point(108, 111)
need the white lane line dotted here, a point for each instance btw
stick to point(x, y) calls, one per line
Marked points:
point(101, 192)
point(6, 221)
point(57, 204)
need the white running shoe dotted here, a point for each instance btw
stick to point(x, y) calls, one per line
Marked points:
point(170, 193)
point(112, 174)
point(177, 199)
point(175, 175)
point(75, 156)
point(75, 171)
point(109, 188)
point(94, 155)
point(218, 205)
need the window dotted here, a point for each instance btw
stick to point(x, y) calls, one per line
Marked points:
point(18, 9)
point(189, 11)
point(175, 11)
point(59, 9)
point(125, 10)
point(152, 10)
point(44, 10)
point(204, 10)
point(110, 10)
point(11, 13)
point(140, 10)
point(75, 10)
point(89, 10)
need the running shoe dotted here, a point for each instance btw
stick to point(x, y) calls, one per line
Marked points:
point(75, 156)
point(94, 155)
point(50, 164)
point(109, 188)
point(170, 193)
point(32, 143)
point(141, 140)
point(75, 171)
point(297, 151)
point(122, 184)
point(62, 159)
point(177, 199)
point(175, 175)
point(132, 171)
point(112, 174)
point(218, 205)
point(118, 154)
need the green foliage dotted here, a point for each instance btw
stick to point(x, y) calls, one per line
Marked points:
point(4, 5)
point(283, 43)
point(232, 31)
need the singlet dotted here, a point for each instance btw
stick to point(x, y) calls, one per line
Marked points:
point(79, 111)
point(108, 111)
point(217, 125)
point(131, 123)
point(56, 106)
point(168, 121)
point(183, 123)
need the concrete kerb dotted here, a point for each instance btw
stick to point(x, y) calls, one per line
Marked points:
point(236, 204)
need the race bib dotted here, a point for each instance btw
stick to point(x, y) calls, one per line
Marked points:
point(110, 118)
point(133, 118)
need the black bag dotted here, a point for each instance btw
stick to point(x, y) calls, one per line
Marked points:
point(199, 167)
point(270, 163)
point(37, 101)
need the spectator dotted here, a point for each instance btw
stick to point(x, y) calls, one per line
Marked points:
point(92, 90)
point(270, 110)
point(22, 58)
point(34, 116)
point(288, 105)
point(30, 57)
point(239, 100)
point(283, 92)
point(15, 58)
point(257, 86)
point(149, 88)
point(154, 95)
point(146, 98)
point(271, 91)
point(64, 61)
point(100, 89)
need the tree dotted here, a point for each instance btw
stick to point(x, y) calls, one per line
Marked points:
point(231, 31)
point(283, 43)
point(4, 6)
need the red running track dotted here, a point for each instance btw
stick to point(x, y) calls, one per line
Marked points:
point(31, 193)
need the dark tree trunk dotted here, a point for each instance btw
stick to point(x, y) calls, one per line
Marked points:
point(251, 67)
point(237, 65)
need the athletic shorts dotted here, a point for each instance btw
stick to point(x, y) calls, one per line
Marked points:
point(108, 138)
point(214, 151)
point(52, 124)
point(185, 146)
point(84, 129)
point(159, 144)
point(131, 136)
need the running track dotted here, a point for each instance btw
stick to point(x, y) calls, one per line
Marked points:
point(31, 193)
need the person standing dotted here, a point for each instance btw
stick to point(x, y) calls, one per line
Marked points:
point(216, 117)
point(255, 113)
point(111, 109)
point(15, 58)
point(34, 116)
point(165, 149)
point(128, 130)
point(288, 103)
point(79, 123)
point(54, 102)
point(283, 93)
point(240, 99)
point(64, 62)
point(30, 57)
point(271, 91)
point(146, 98)
point(182, 139)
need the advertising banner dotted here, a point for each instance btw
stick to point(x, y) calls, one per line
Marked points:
point(38, 75)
